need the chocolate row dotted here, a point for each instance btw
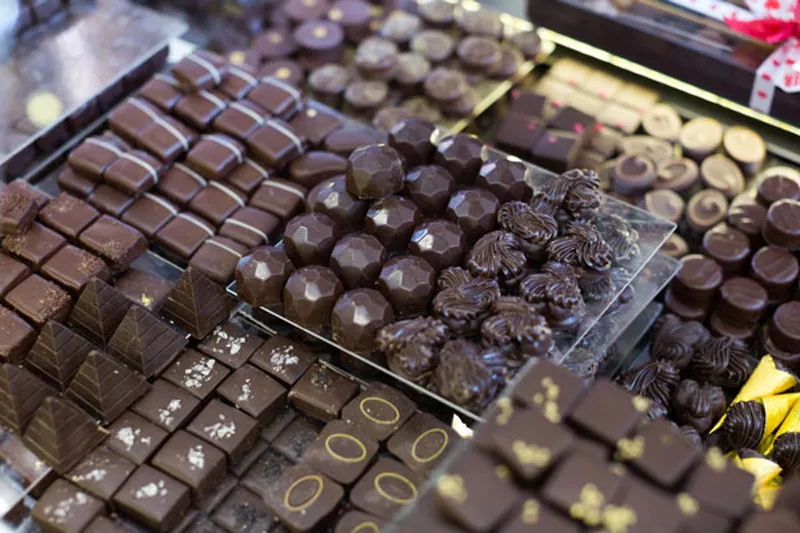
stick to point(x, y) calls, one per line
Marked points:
point(557, 455)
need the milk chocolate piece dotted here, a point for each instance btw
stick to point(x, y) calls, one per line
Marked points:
point(39, 300)
point(217, 202)
point(276, 143)
point(27, 189)
point(195, 373)
point(322, 392)
point(217, 258)
point(239, 120)
point(303, 498)
point(309, 239)
point(720, 173)
point(149, 214)
point(277, 97)
point(61, 434)
point(331, 198)
point(72, 182)
point(184, 234)
point(227, 428)
point(745, 147)
point(180, 184)
point(315, 124)
point(167, 406)
point(282, 198)
point(345, 140)
point(260, 276)
point(780, 227)
point(144, 289)
point(215, 156)
point(17, 212)
point(199, 109)
point(665, 203)
point(114, 241)
point(153, 498)
point(200, 70)
point(35, 246)
point(134, 172)
point(21, 393)
point(110, 200)
point(238, 83)
point(230, 344)
point(312, 168)
point(254, 392)
point(191, 461)
point(104, 387)
point(677, 175)
point(197, 304)
point(93, 156)
point(144, 342)
point(17, 336)
point(134, 438)
point(161, 90)
point(705, 210)
point(65, 509)
point(73, 267)
point(168, 139)
point(700, 137)
point(68, 215)
point(248, 176)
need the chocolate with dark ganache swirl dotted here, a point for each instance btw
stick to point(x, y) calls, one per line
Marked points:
point(525, 331)
point(675, 340)
point(463, 307)
point(698, 405)
point(555, 291)
point(722, 361)
point(655, 380)
point(462, 377)
point(581, 245)
point(533, 229)
point(497, 254)
point(412, 346)
point(744, 425)
point(787, 453)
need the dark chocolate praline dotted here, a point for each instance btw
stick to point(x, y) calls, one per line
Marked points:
point(465, 374)
point(534, 229)
point(444, 86)
point(309, 296)
point(722, 361)
point(556, 293)
point(430, 187)
point(332, 199)
point(409, 283)
point(655, 380)
point(412, 138)
point(787, 453)
point(508, 178)
point(357, 260)
point(519, 328)
point(464, 304)
point(375, 57)
point(357, 317)
point(435, 45)
point(374, 172)
point(475, 210)
point(392, 221)
point(744, 425)
point(698, 405)
point(497, 254)
point(440, 242)
point(462, 155)
point(676, 341)
point(309, 239)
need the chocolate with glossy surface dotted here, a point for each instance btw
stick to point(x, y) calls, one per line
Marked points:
point(309, 239)
point(260, 276)
point(408, 282)
point(357, 317)
point(374, 172)
point(782, 225)
point(309, 296)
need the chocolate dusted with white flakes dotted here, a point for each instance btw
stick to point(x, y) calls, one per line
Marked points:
point(230, 344)
point(284, 359)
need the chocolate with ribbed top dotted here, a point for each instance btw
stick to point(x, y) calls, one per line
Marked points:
point(57, 354)
point(21, 393)
point(197, 304)
point(98, 312)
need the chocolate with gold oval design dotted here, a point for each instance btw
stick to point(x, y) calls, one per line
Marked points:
point(341, 452)
point(422, 443)
point(385, 489)
point(379, 411)
point(302, 497)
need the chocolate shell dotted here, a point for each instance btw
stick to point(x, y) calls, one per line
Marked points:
point(697, 405)
point(744, 425)
point(655, 380)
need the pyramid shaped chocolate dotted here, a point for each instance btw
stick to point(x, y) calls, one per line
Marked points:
point(197, 304)
point(21, 393)
point(104, 387)
point(57, 354)
point(145, 343)
point(61, 434)
point(99, 311)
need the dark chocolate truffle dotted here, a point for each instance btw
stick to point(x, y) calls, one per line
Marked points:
point(698, 405)
point(430, 187)
point(309, 296)
point(439, 242)
point(374, 172)
point(412, 346)
point(309, 239)
point(462, 155)
point(412, 139)
point(464, 377)
point(409, 283)
point(357, 317)
point(655, 380)
point(392, 222)
point(357, 260)
point(463, 301)
point(331, 198)
point(260, 276)
point(475, 210)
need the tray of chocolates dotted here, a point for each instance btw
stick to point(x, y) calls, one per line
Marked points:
point(58, 80)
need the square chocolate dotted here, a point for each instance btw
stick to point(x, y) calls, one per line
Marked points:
point(574, 121)
point(247, 176)
point(278, 98)
point(516, 133)
point(101, 473)
point(554, 390)
point(144, 289)
point(68, 215)
point(230, 430)
point(280, 197)
point(254, 392)
point(168, 139)
point(17, 212)
point(422, 443)
point(322, 392)
point(65, 508)
point(297, 437)
point(29, 190)
point(131, 117)
point(183, 235)
point(388, 487)
point(17, 338)
point(150, 213)
point(180, 184)
point(650, 508)
point(609, 413)
point(12, 272)
point(215, 156)
point(379, 411)
point(315, 123)
point(659, 452)
point(271, 430)
point(570, 71)
point(134, 172)
point(358, 521)
point(208, 504)
point(166, 405)
point(35, 246)
point(535, 517)
point(199, 109)
point(193, 462)
point(249, 459)
point(70, 181)
point(342, 452)
point(239, 120)
point(716, 483)
point(528, 104)
point(217, 202)
point(217, 258)
point(153, 498)
point(238, 83)
point(276, 143)
point(284, 359)
point(161, 90)
point(243, 512)
point(302, 498)
point(72, 268)
point(230, 344)
point(134, 438)
point(200, 70)
point(116, 242)
point(93, 156)
point(251, 227)
point(195, 373)
point(110, 200)
point(40, 300)
point(263, 474)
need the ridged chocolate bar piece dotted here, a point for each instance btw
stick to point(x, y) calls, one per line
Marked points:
point(57, 354)
point(61, 434)
point(197, 304)
point(21, 393)
point(145, 343)
point(105, 387)
point(99, 311)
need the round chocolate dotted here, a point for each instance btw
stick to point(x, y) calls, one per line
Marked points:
point(283, 69)
point(328, 82)
point(481, 22)
point(436, 46)
point(376, 57)
point(412, 138)
point(657, 150)
point(400, 26)
point(683, 307)
point(314, 167)
point(357, 260)
point(746, 147)
point(776, 184)
point(479, 54)
point(677, 175)
point(374, 171)
point(776, 270)
point(275, 43)
point(309, 239)
point(445, 86)
point(309, 297)
point(392, 221)
point(411, 70)
point(300, 11)
point(366, 96)
point(656, 381)
point(319, 36)
point(409, 283)
point(701, 137)
point(261, 275)
point(698, 406)
point(782, 225)
point(509, 64)
point(744, 425)
point(727, 246)
point(439, 242)
point(675, 246)
point(463, 106)
point(665, 204)
point(720, 173)
point(345, 140)
point(784, 328)
point(498, 254)
point(462, 155)
point(787, 455)
point(474, 210)
point(464, 305)
point(723, 361)
point(357, 317)
point(508, 178)
point(748, 217)
point(534, 229)
point(422, 109)
point(632, 174)
point(437, 12)
point(742, 301)
point(662, 121)
point(430, 187)
point(698, 279)
point(355, 17)
point(676, 341)
point(331, 198)
point(527, 42)
point(705, 210)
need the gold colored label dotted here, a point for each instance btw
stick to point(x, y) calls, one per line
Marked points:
point(283, 73)
point(617, 519)
point(716, 460)
point(530, 454)
point(502, 472)
point(339, 457)
point(631, 448)
point(452, 487)
point(146, 300)
point(384, 401)
point(320, 32)
point(335, 14)
point(641, 404)
point(237, 57)
point(310, 501)
point(366, 527)
point(401, 478)
point(415, 454)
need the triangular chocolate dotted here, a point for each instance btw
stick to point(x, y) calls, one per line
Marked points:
point(57, 354)
point(145, 343)
point(21, 393)
point(99, 311)
point(104, 387)
point(197, 304)
point(60, 434)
